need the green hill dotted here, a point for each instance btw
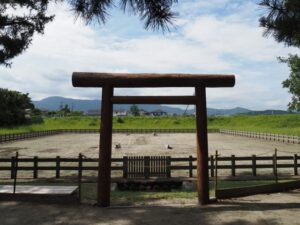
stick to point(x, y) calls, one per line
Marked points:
point(279, 124)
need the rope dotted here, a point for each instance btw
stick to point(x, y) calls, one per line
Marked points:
point(266, 153)
point(187, 106)
point(287, 151)
point(25, 156)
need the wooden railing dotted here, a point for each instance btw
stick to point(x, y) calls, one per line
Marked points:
point(232, 163)
point(250, 134)
point(264, 136)
point(27, 135)
point(35, 134)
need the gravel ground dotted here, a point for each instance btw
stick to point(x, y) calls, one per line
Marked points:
point(272, 209)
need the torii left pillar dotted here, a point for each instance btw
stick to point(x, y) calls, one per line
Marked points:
point(105, 147)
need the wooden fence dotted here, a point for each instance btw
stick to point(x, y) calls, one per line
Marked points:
point(264, 136)
point(161, 166)
point(35, 134)
point(258, 135)
point(146, 166)
point(26, 135)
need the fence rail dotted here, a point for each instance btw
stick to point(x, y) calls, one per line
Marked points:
point(264, 136)
point(26, 135)
point(251, 134)
point(35, 134)
point(159, 165)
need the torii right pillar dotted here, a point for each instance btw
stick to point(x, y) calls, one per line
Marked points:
point(202, 146)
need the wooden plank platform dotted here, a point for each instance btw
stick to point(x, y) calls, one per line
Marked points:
point(40, 194)
point(257, 189)
point(32, 189)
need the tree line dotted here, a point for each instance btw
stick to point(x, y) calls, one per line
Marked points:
point(16, 108)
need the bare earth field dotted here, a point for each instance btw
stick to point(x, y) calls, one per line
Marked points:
point(183, 145)
point(70, 145)
point(273, 209)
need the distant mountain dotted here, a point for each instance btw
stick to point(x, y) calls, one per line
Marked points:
point(269, 112)
point(227, 112)
point(54, 103)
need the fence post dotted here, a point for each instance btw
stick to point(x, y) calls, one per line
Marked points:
point(233, 165)
point(15, 171)
point(253, 165)
point(35, 167)
point(216, 173)
point(212, 173)
point(125, 166)
point(275, 165)
point(57, 167)
point(295, 164)
point(147, 166)
point(12, 167)
point(79, 175)
point(191, 166)
point(168, 165)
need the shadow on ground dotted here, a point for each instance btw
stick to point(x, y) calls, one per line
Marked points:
point(280, 208)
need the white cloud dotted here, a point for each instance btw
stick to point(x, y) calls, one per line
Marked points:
point(228, 36)
point(207, 43)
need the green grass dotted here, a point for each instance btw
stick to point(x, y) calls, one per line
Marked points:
point(89, 191)
point(277, 124)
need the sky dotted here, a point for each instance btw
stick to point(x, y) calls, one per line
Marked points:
point(209, 37)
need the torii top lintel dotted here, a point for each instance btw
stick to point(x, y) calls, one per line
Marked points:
point(82, 79)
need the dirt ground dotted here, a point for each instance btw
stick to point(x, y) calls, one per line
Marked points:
point(183, 145)
point(272, 209)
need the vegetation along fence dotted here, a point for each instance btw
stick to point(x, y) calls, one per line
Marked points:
point(258, 135)
point(26, 135)
point(265, 136)
point(145, 166)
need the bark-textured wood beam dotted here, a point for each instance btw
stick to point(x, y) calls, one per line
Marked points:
point(202, 146)
point(81, 79)
point(176, 100)
point(105, 147)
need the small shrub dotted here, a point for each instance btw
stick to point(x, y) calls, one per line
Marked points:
point(36, 120)
point(93, 123)
point(120, 120)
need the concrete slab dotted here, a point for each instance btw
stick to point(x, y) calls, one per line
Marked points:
point(33, 189)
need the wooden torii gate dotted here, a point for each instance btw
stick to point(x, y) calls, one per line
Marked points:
point(108, 81)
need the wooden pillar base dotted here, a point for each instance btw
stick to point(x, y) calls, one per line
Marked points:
point(202, 147)
point(105, 147)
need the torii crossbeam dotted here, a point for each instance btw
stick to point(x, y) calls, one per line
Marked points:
point(108, 81)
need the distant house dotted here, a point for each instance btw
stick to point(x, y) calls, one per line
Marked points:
point(143, 112)
point(120, 112)
point(93, 112)
point(158, 112)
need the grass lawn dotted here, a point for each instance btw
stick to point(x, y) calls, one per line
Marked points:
point(277, 124)
point(89, 191)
